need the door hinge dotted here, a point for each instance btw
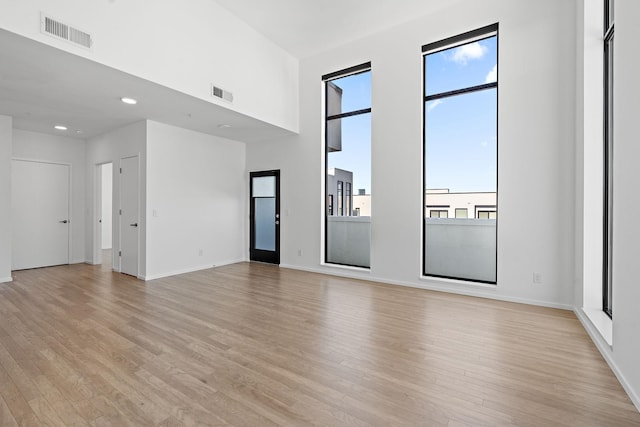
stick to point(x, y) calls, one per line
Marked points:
point(120, 211)
point(119, 253)
point(120, 170)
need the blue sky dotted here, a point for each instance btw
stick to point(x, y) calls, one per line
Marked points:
point(356, 131)
point(460, 130)
point(461, 143)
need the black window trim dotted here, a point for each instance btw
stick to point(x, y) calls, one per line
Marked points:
point(427, 49)
point(480, 33)
point(349, 114)
point(356, 69)
point(607, 214)
point(340, 197)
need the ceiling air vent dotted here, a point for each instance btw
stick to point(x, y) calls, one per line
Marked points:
point(60, 30)
point(220, 93)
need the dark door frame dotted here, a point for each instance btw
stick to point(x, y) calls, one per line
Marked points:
point(260, 255)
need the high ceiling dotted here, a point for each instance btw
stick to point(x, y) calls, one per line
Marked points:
point(85, 96)
point(306, 27)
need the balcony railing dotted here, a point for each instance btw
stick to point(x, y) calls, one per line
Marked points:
point(461, 248)
point(349, 240)
point(456, 248)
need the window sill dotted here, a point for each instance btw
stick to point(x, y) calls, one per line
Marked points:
point(469, 283)
point(602, 323)
point(346, 267)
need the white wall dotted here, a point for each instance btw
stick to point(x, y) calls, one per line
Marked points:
point(6, 142)
point(185, 46)
point(535, 149)
point(196, 201)
point(60, 149)
point(107, 205)
point(625, 352)
point(127, 141)
point(589, 155)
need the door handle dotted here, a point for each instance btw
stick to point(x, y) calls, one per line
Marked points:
point(64, 221)
point(135, 224)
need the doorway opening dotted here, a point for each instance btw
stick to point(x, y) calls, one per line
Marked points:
point(104, 216)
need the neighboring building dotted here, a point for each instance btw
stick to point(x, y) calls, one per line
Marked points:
point(339, 192)
point(334, 128)
point(362, 203)
point(440, 203)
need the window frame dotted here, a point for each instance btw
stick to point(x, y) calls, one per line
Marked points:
point(439, 212)
point(448, 43)
point(340, 198)
point(466, 213)
point(608, 141)
point(326, 79)
point(347, 199)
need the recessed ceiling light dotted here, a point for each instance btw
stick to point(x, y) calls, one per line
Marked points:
point(130, 101)
point(60, 127)
point(224, 126)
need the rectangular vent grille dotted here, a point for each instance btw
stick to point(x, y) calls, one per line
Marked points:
point(79, 37)
point(220, 93)
point(56, 28)
point(66, 32)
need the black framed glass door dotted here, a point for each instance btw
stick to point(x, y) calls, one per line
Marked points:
point(265, 216)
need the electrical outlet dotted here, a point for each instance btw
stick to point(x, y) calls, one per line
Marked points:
point(537, 277)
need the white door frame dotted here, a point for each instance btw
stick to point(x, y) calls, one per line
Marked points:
point(70, 204)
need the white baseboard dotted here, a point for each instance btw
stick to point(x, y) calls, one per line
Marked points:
point(465, 291)
point(605, 350)
point(187, 270)
point(6, 279)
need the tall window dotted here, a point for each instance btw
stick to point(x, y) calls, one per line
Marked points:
point(607, 279)
point(348, 164)
point(461, 154)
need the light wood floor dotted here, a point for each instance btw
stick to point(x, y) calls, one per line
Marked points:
point(255, 345)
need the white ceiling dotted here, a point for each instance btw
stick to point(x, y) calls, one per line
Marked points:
point(306, 27)
point(41, 86)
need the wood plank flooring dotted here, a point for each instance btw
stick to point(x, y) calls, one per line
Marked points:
point(257, 345)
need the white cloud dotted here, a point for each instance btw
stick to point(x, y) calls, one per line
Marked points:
point(433, 104)
point(492, 75)
point(468, 52)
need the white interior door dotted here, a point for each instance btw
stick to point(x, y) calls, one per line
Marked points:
point(40, 214)
point(129, 215)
